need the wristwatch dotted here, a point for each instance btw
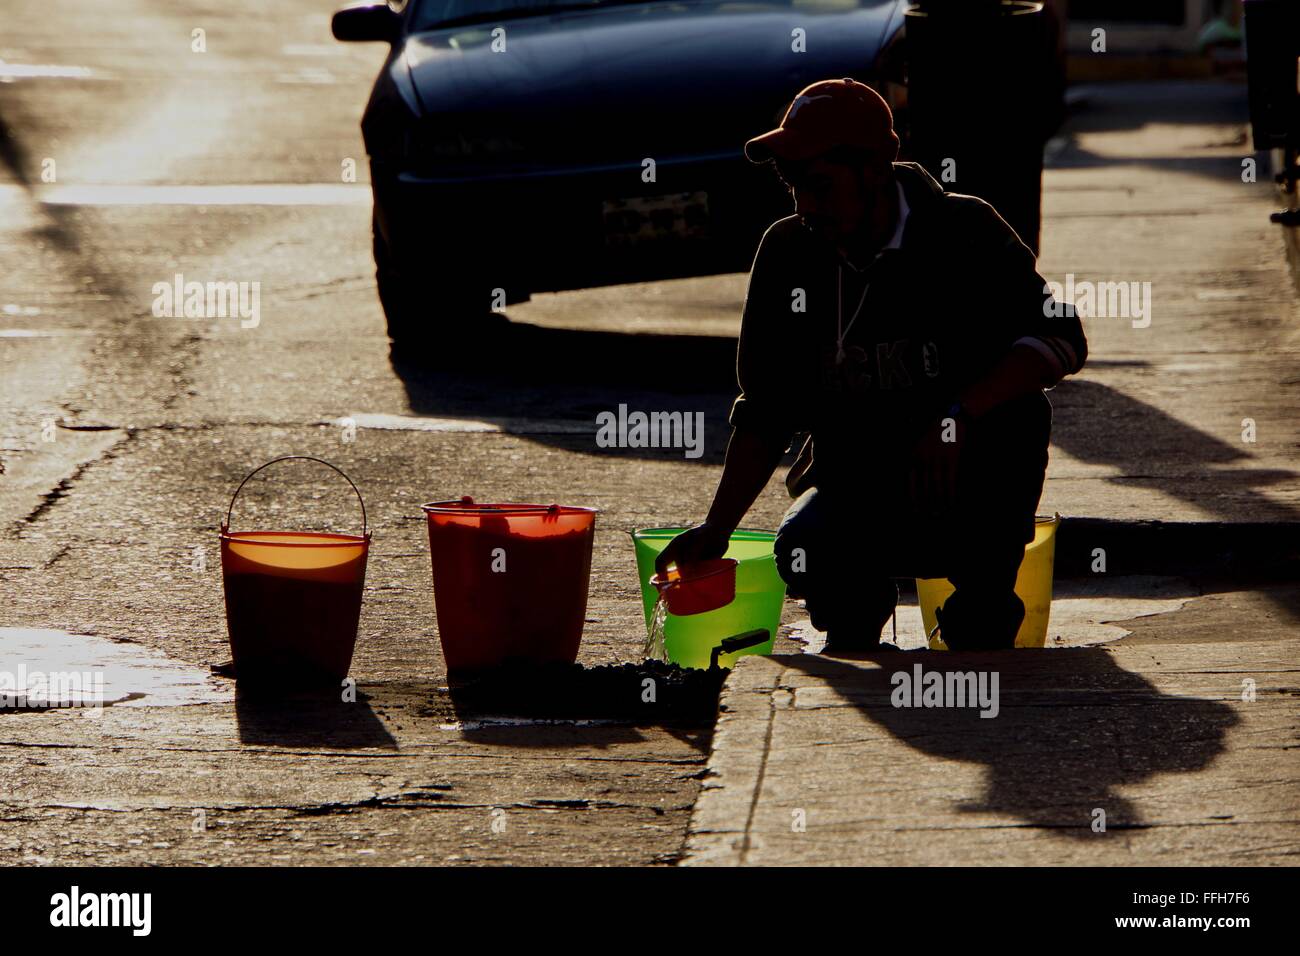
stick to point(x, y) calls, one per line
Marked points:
point(957, 410)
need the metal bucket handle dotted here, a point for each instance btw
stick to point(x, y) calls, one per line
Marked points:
point(365, 533)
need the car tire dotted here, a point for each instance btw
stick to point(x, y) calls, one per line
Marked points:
point(414, 309)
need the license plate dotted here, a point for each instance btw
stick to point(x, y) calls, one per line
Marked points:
point(638, 219)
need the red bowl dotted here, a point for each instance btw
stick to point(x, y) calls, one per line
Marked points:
point(698, 587)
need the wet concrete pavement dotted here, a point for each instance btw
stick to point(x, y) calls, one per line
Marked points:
point(125, 434)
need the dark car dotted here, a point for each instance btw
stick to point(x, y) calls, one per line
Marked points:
point(535, 145)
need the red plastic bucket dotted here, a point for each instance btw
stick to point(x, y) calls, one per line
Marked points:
point(509, 581)
point(293, 598)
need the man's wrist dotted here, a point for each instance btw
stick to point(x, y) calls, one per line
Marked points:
point(959, 411)
point(719, 527)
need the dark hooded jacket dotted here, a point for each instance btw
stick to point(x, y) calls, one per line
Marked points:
point(937, 313)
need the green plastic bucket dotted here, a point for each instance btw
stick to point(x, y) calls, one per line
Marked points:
point(760, 594)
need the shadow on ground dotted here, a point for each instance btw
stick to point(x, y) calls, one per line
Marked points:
point(1099, 425)
point(1071, 732)
point(497, 369)
point(682, 700)
point(554, 706)
point(309, 720)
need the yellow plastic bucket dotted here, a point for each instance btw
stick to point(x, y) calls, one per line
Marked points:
point(1033, 586)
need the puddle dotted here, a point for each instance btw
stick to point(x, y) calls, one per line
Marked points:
point(51, 668)
point(41, 333)
point(26, 71)
point(1081, 613)
point(251, 194)
point(482, 723)
point(515, 426)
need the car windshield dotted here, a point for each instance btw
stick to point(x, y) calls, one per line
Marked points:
point(431, 14)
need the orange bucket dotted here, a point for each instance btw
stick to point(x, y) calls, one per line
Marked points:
point(509, 581)
point(293, 598)
point(698, 588)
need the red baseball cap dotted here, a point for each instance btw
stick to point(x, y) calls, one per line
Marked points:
point(826, 115)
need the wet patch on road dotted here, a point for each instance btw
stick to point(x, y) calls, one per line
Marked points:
point(514, 426)
point(45, 669)
point(227, 194)
point(28, 71)
point(494, 722)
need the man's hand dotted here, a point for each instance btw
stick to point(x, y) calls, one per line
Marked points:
point(701, 543)
point(932, 481)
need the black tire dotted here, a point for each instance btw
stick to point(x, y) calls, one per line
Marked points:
point(417, 308)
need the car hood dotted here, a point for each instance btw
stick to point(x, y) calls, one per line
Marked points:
point(621, 82)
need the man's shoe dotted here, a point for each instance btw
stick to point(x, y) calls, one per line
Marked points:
point(965, 625)
point(875, 607)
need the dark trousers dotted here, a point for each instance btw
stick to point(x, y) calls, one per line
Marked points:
point(840, 547)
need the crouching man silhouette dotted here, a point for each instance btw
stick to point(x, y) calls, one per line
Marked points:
point(907, 333)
